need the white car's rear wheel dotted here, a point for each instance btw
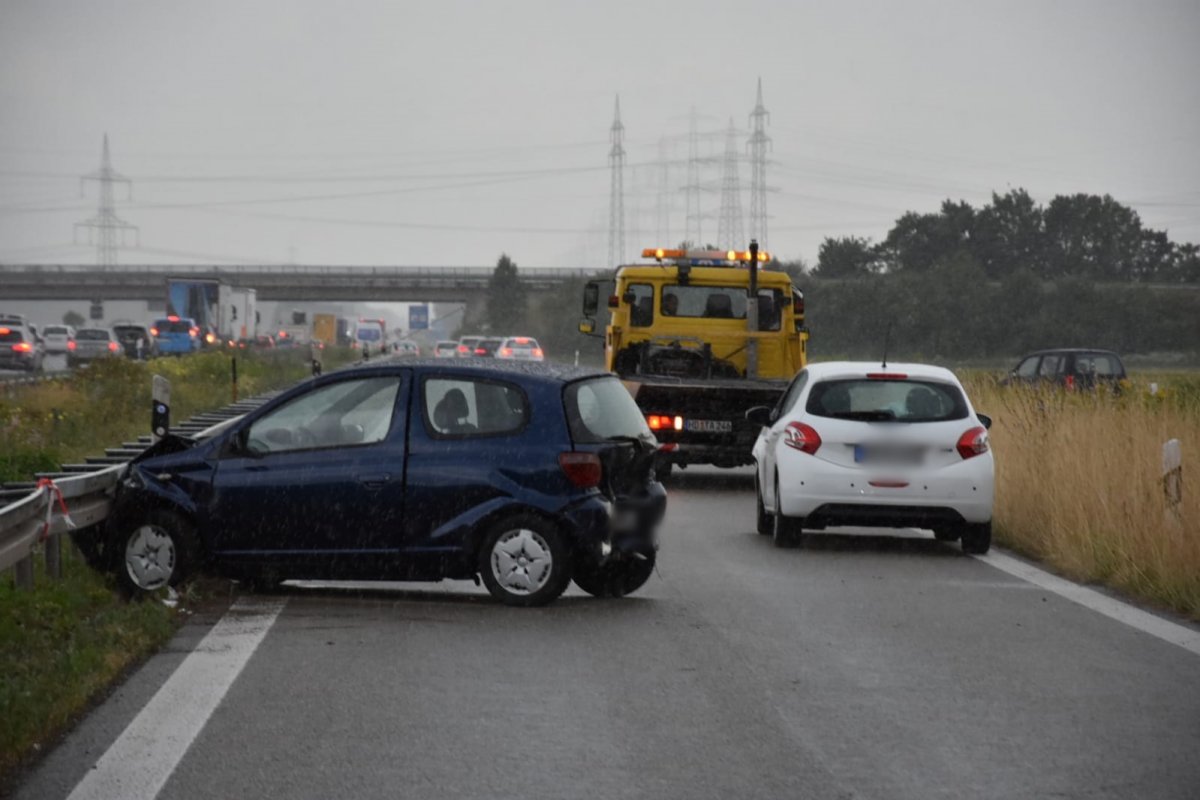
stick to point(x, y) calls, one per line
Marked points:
point(785, 531)
point(763, 522)
point(977, 538)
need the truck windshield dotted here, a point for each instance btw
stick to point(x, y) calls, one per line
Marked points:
point(720, 302)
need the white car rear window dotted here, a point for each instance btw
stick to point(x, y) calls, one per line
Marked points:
point(874, 400)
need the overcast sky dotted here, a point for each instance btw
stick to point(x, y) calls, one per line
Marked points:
point(445, 133)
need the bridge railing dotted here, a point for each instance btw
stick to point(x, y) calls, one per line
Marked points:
point(290, 269)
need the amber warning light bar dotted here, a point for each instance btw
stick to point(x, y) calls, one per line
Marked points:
point(700, 258)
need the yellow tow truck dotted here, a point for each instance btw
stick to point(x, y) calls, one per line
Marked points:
point(695, 350)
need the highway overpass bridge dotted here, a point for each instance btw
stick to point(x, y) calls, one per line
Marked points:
point(288, 283)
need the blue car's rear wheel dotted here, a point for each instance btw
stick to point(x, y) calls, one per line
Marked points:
point(524, 561)
point(617, 578)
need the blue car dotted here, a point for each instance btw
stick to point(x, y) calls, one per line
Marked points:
point(174, 334)
point(527, 476)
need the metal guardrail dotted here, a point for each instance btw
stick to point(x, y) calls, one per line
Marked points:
point(23, 523)
point(88, 496)
point(87, 491)
point(38, 377)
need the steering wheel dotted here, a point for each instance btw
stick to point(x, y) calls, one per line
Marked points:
point(304, 438)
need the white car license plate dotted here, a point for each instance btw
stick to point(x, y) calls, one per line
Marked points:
point(888, 455)
point(708, 425)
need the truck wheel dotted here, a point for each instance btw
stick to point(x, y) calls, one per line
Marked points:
point(524, 561)
point(977, 538)
point(763, 521)
point(663, 470)
point(786, 530)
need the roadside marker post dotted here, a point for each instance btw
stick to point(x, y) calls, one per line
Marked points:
point(160, 407)
point(1172, 477)
point(233, 375)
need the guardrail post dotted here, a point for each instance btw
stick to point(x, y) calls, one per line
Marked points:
point(315, 354)
point(54, 556)
point(160, 408)
point(23, 573)
point(233, 374)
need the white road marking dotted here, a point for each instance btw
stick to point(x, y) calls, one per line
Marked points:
point(1164, 629)
point(140, 761)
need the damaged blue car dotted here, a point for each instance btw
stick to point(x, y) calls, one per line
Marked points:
point(525, 475)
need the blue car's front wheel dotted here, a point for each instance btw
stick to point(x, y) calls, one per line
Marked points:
point(154, 552)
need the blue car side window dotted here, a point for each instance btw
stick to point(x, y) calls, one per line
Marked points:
point(466, 407)
point(347, 413)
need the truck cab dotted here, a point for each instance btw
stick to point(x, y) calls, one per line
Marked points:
point(696, 351)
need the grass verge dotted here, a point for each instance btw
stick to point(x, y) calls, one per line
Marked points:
point(60, 645)
point(1079, 483)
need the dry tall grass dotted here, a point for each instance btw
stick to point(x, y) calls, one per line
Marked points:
point(1079, 485)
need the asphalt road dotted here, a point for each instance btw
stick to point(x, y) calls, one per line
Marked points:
point(50, 363)
point(860, 666)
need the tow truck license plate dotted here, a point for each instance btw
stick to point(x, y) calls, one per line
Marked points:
point(708, 425)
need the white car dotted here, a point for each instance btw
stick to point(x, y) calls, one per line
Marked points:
point(445, 349)
point(58, 338)
point(407, 349)
point(855, 443)
point(520, 348)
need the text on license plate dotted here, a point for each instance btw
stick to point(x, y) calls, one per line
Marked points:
point(708, 425)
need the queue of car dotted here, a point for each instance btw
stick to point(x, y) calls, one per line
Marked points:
point(517, 348)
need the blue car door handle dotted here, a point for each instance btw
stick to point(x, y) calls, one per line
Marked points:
point(375, 481)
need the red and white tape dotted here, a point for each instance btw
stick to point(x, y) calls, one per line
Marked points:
point(55, 493)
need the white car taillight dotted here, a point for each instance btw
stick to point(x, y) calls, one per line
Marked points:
point(799, 436)
point(973, 443)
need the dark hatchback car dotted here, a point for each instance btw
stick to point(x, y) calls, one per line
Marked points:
point(486, 348)
point(130, 335)
point(527, 475)
point(1073, 368)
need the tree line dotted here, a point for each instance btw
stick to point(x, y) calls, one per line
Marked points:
point(1073, 236)
point(962, 283)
